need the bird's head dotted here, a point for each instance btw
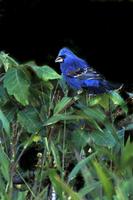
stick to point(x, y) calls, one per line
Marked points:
point(69, 61)
point(64, 55)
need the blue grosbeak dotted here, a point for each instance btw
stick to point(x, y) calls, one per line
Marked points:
point(78, 74)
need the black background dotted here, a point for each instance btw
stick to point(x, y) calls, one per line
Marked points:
point(100, 32)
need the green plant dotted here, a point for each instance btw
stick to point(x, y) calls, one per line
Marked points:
point(80, 144)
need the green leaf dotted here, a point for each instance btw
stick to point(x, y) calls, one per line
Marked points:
point(127, 155)
point(80, 166)
point(89, 188)
point(79, 137)
point(5, 122)
point(104, 179)
point(62, 104)
point(45, 72)
point(43, 194)
point(17, 85)
point(9, 111)
point(2, 185)
point(56, 156)
point(30, 120)
point(93, 113)
point(4, 164)
point(102, 99)
point(61, 117)
point(118, 100)
point(19, 195)
point(7, 61)
point(3, 96)
point(105, 139)
point(60, 186)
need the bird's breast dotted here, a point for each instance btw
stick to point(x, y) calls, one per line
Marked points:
point(74, 83)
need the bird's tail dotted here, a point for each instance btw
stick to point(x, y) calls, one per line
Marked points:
point(116, 86)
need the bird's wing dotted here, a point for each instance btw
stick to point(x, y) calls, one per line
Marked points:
point(76, 72)
point(87, 73)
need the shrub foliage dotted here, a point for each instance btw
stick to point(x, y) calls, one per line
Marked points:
point(54, 145)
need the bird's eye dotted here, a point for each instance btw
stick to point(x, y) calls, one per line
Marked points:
point(63, 56)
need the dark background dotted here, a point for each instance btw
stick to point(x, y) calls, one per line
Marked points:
point(100, 32)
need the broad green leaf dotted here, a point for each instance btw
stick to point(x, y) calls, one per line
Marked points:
point(5, 122)
point(102, 100)
point(93, 113)
point(80, 166)
point(105, 139)
point(61, 187)
point(61, 117)
point(29, 119)
point(45, 72)
point(4, 165)
point(7, 61)
point(118, 100)
point(104, 179)
point(17, 85)
point(62, 104)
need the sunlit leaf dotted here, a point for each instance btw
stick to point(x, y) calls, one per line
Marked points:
point(118, 100)
point(102, 100)
point(45, 72)
point(7, 61)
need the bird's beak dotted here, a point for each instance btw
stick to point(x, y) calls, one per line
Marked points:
point(59, 59)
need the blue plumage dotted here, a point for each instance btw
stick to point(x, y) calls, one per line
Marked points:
point(78, 74)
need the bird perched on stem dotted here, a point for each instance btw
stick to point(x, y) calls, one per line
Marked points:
point(78, 74)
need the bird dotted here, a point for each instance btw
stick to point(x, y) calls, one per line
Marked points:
point(79, 75)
